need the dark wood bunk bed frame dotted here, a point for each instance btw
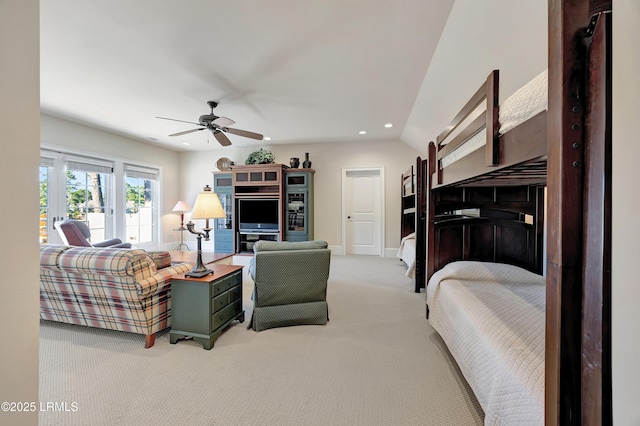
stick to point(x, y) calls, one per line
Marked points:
point(413, 215)
point(505, 183)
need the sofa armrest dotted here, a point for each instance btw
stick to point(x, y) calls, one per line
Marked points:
point(161, 280)
point(162, 259)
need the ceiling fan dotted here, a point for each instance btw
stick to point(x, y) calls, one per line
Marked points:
point(217, 125)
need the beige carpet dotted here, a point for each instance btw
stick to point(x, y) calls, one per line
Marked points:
point(377, 362)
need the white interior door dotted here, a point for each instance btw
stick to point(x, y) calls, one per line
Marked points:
point(362, 194)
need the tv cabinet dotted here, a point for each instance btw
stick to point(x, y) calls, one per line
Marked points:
point(293, 188)
point(298, 203)
point(246, 240)
point(223, 228)
point(256, 182)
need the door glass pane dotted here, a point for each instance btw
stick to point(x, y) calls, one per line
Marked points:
point(140, 194)
point(44, 205)
point(87, 200)
point(224, 223)
point(295, 210)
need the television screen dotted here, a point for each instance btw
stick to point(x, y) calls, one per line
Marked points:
point(258, 215)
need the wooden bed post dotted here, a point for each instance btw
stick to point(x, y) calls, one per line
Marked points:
point(493, 124)
point(430, 210)
point(596, 306)
point(421, 224)
point(567, 396)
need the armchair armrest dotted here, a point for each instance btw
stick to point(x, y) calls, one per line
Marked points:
point(114, 242)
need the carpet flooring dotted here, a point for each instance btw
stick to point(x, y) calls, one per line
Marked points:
point(377, 362)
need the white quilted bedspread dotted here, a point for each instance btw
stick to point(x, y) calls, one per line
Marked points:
point(407, 252)
point(492, 318)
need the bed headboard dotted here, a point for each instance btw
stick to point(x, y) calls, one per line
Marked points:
point(507, 226)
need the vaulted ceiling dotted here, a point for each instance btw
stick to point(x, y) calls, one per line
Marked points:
point(297, 72)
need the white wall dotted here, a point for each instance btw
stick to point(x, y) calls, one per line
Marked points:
point(479, 36)
point(626, 228)
point(328, 161)
point(63, 133)
point(19, 259)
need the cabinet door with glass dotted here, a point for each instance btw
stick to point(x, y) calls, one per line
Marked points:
point(299, 206)
point(223, 228)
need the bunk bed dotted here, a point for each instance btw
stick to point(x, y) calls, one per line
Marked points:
point(412, 223)
point(520, 339)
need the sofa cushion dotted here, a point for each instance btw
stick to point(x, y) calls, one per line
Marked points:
point(108, 261)
point(288, 245)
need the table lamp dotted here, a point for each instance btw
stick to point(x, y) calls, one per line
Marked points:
point(181, 207)
point(207, 207)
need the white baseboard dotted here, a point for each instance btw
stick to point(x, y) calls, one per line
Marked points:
point(390, 252)
point(339, 251)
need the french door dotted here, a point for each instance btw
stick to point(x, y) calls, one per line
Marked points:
point(76, 188)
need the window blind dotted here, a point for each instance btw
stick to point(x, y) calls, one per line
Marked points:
point(89, 165)
point(141, 172)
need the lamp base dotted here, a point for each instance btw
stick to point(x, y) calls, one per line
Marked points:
point(198, 274)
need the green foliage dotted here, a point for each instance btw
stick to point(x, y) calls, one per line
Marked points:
point(261, 156)
point(135, 194)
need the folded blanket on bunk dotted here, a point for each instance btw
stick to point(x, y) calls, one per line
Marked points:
point(492, 318)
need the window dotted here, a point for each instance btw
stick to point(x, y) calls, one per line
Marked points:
point(45, 164)
point(88, 196)
point(114, 198)
point(140, 195)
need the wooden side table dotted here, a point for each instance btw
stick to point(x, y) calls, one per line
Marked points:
point(203, 307)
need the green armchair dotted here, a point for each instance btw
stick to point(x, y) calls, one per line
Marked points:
point(290, 284)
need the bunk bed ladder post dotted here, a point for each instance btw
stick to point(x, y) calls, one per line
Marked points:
point(493, 125)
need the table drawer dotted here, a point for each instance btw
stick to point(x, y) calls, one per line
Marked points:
point(220, 318)
point(227, 297)
point(225, 284)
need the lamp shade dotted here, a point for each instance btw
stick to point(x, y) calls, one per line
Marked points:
point(181, 206)
point(207, 205)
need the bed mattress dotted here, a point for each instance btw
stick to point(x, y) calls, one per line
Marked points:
point(492, 318)
point(527, 102)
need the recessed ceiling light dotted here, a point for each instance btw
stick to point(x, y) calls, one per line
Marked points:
point(266, 138)
point(388, 125)
point(363, 132)
point(186, 143)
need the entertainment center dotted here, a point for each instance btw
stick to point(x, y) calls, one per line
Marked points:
point(263, 202)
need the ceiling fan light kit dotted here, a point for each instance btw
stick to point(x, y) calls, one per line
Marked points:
point(217, 125)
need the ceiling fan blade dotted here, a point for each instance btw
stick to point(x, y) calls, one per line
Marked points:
point(187, 131)
point(244, 133)
point(223, 121)
point(222, 138)
point(182, 121)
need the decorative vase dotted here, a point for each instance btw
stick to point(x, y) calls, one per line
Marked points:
point(294, 162)
point(307, 163)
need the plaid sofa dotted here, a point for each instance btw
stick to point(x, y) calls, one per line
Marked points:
point(290, 283)
point(117, 289)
